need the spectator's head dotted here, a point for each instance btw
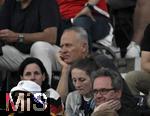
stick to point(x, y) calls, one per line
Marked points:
point(74, 44)
point(107, 85)
point(80, 72)
point(33, 69)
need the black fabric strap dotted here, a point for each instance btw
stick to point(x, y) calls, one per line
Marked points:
point(90, 6)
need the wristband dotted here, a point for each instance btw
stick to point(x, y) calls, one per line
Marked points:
point(20, 38)
point(90, 6)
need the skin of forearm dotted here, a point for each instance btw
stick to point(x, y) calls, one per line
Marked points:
point(48, 36)
point(94, 2)
point(145, 61)
point(146, 67)
point(141, 13)
point(62, 87)
point(140, 19)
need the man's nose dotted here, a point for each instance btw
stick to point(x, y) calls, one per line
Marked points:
point(32, 77)
point(78, 84)
point(99, 94)
point(64, 49)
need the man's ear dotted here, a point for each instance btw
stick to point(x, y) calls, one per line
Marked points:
point(84, 47)
point(118, 93)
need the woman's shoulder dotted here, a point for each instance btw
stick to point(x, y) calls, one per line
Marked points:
point(74, 97)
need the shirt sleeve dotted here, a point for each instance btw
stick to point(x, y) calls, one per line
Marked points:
point(68, 108)
point(49, 14)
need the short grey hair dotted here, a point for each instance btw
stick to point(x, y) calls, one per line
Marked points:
point(81, 32)
point(117, 81)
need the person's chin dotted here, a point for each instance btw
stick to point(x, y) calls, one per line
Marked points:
point(99, 102)
point(81, 92)
point(67, 61)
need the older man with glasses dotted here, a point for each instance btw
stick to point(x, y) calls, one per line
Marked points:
point(107, 90)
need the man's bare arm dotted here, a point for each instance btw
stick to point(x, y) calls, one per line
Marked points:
point(145, 61)
point(62, 87)
point(47, 35)
point(141, 19)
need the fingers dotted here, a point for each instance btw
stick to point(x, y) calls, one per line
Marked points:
point(3, 30)
point(114, 104)
point(58, 56)
point(110, 105)
point(3, 33)
point(60, 59)
point(8, 35)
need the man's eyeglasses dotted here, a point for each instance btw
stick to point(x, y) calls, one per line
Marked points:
point(103, 91)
